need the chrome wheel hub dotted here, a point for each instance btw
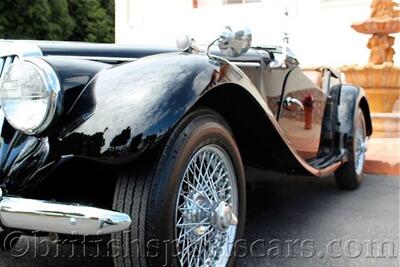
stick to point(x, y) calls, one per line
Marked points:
point(223, 217)
point(206, 210)
point(360, 148)
point(196, 214)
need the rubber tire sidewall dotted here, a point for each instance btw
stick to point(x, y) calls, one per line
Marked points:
point(346, 176)
point(200, 128)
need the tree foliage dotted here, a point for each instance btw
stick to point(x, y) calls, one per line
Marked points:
point(77, 20)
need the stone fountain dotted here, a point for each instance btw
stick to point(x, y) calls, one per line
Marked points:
point(380, 77)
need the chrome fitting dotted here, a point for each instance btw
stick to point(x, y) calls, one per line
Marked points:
point(46, 216)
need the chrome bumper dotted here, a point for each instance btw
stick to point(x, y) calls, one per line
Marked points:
point(45, 216)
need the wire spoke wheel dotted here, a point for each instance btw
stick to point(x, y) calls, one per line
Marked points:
point(349, 175)
point(206, 209)
point(360, 147)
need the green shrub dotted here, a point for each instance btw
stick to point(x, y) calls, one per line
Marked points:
point(77, 20)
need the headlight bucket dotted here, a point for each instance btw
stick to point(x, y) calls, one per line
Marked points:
point(30, 95)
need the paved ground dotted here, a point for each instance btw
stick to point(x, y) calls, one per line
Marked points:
point(301, 222)
point(383, 156)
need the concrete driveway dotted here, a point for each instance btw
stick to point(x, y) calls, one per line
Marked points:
point(296, 222)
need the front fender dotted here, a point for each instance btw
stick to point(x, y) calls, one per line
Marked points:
point(351, 98)
point(126, 110)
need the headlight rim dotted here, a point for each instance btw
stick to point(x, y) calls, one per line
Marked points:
point(53, 86)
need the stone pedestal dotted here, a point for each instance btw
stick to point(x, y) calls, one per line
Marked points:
point(382, 85)
point(380, 77)
point(381, 82)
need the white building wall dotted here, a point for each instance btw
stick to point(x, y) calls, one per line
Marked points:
point(320, 32)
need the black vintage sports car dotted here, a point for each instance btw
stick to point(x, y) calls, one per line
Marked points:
point(153, 147)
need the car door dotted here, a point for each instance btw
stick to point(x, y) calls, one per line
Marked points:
point(301, 110)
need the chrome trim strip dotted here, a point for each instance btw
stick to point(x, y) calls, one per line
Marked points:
point(237, 63)
point(246, 64)
point(45, 216)
point(97, 58)
point(21, 49)
point(7, 63)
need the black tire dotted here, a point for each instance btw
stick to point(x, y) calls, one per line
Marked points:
point(148, 191)
point(347, 176)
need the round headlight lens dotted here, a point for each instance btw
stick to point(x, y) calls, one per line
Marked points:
point(30, 95)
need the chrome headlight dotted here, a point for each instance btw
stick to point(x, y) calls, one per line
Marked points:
point(30, 95)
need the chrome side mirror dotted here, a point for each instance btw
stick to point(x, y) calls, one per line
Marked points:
point(186, 44)
point(183, 43)
point(234, 43)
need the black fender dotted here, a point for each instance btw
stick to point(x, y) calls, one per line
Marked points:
point(23, 157)
point(74, 75)
point(20, 155)
point(350, 99)
point(127, 110)
point(338, 123)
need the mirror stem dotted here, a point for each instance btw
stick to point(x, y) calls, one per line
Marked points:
point(211, 44)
